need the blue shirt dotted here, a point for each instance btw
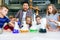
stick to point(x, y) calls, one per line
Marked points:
point(3, 20)
point(54, 17)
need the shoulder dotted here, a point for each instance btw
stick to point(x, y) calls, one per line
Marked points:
point(47, 15)
point(29, 10)
point(6, 18)
point(57, 14)
point(20, 11)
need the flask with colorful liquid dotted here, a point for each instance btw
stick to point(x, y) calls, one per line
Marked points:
point(16, 28)
point(25, 28)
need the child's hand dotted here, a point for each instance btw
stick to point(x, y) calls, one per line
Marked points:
point(56, 30)
point(50, 29)
point(51, 20)
point(17, 20)
point(8, 30)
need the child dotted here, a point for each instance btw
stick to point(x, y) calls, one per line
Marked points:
point(41, 24)
point(29, 21)
point(52, 14)
point(3, 18)
point(9, 27)
point(38, 22)
point(57, 23)
point(38, 19)
point(27, 24)
point(36, 25)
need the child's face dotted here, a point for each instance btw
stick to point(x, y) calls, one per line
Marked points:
point(50, 9)
point(38, 20)
point(28, 20)
point(13, 20)
point(4, 11)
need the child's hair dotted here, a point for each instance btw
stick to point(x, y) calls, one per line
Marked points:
point(59, 15)
point(4, 6)
point(59, 18)
point(54, 11)
point(0, 9)
point(28, 17)
point(38, 16)
point(11, 17)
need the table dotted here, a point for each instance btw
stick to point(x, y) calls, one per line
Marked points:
point(30, 36)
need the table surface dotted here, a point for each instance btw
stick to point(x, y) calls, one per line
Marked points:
point(30, 36)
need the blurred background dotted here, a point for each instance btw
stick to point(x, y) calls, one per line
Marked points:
point(15, 5)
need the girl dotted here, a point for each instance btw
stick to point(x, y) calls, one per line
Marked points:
point(52, 14)
point(29, 21)
point(27, 24)
point(56, 22)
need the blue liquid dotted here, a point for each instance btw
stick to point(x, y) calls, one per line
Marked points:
point(15, 31)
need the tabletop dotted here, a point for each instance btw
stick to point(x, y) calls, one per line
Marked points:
point(30, 36)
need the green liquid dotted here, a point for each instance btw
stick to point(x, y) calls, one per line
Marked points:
point(34, 31)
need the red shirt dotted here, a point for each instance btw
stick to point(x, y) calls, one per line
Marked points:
point(8, 27)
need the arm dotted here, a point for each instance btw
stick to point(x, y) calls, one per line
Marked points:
point(9, 21)
point(11, 24)
point(51, 20)
point(17, 15)
point(8, 30)
point(30, 13)
point(48, 26)
point(57, 29)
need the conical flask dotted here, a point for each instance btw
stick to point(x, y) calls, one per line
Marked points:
point(16, 28)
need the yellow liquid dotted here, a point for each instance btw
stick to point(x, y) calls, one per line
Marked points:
point(24, 31)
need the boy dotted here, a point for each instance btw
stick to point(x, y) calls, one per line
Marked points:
point(9, 27)
point(36, 24)
point(41, 24)
point(3, 18)
point(38, 20)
